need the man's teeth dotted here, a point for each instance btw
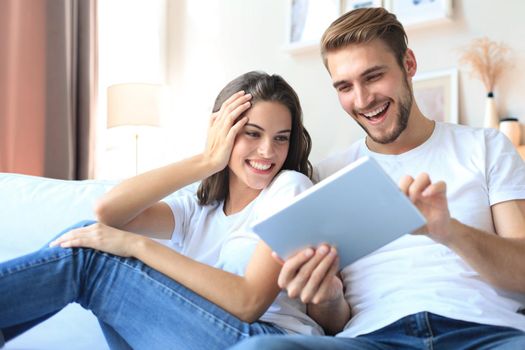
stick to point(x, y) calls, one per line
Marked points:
point(376, 111)
point(260, 166)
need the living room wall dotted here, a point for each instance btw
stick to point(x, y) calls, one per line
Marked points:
point(210, 45)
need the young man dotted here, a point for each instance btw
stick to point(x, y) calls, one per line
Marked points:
point(460, 282)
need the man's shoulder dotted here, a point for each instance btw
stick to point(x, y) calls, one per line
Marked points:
point(337, 161)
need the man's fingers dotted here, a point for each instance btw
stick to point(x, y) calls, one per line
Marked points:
point(434, 189)
point(421, 182)
point(404, 183)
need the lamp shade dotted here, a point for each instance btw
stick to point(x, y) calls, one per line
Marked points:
point(134, 104)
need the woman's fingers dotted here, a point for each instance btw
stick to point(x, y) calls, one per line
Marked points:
point(318, 275)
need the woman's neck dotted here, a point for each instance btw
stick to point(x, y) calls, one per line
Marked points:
point(239, 196)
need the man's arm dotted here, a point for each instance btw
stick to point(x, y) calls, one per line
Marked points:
point(499, 259)
point(311, 275)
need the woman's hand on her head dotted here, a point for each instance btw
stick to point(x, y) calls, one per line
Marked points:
point(223, 128)
point(100, 237)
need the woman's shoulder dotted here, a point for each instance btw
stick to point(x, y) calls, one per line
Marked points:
point(290, 178)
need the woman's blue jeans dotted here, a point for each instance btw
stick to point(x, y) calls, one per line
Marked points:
point(138, 307)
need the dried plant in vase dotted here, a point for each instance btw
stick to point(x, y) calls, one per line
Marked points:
point(487, 60)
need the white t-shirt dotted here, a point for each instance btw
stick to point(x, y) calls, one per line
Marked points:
point(207, 235)
point(414, 273)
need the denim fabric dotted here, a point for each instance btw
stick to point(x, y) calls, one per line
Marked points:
point(137, 306)
point(419, 331)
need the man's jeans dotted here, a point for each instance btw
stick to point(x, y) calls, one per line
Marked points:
point(419, 331)
point(138, 307)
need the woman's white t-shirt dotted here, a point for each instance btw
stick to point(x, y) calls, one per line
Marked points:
point(207, 235)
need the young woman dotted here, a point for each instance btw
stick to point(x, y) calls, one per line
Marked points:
point(220, 288)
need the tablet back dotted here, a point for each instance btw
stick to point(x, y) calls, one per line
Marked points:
point(357, 209)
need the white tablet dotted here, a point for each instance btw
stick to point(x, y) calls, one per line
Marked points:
point(357, 209)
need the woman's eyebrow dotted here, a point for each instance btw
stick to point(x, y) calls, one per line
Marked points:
point(262, 129)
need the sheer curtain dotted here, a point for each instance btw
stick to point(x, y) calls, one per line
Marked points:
point(48, 87)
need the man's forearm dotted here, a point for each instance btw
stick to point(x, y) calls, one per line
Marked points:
point(500, 261)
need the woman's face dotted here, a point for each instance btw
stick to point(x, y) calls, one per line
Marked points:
point(261, 147)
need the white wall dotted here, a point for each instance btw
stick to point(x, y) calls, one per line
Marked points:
point(211, 42)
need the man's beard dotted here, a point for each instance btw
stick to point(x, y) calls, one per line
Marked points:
point(405, 105)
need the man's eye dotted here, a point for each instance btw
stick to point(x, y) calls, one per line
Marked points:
point(344, 88)
point(374, 77)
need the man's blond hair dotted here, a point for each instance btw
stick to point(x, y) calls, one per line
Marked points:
point(363, 26)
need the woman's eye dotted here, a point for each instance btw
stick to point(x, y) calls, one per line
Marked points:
point(282, 138)
point(252, 134)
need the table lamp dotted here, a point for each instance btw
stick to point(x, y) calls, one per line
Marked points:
point(134, 104)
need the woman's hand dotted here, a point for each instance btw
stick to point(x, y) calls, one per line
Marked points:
point(224, 127)
point(312, 276)
point(100, 237)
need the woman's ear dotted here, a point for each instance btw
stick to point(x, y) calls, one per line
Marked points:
point(410, 63)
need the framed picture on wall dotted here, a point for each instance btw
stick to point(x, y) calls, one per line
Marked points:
point(436, 94)
point(307, 20)
point(349, 5)
point(413, 13)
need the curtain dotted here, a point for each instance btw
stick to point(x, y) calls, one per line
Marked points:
point(48, 87)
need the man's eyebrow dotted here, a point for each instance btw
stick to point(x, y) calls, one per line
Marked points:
point(366, 72)
point(262, 129)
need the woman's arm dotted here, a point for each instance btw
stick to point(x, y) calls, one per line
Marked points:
point(246, 297)
point(134, 204)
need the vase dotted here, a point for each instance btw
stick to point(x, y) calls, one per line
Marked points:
point(512, 129)
point(491, 114)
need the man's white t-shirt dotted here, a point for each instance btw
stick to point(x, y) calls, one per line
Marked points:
point(207, 235)
point(414, 274)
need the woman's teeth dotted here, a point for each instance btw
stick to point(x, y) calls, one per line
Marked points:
point(260, 166)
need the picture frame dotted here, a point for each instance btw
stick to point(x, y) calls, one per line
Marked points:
point(349, 5)
point(436, 94)
point(306, 22)
point(416, 13)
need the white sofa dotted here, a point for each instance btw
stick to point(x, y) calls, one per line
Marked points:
point(32, 211)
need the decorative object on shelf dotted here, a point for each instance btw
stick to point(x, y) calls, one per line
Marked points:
point(487, 59)
point(134, 104)
point(512, 129)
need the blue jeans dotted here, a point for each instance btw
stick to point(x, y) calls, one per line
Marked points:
point(137, 307)
point(419, 331)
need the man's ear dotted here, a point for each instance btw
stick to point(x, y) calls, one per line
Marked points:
point(410, 63)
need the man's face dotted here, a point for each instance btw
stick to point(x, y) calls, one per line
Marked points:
point(372, 88)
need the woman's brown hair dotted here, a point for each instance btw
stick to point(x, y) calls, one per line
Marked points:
point(262, 87)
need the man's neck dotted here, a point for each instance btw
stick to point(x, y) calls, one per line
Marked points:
point(418, 130)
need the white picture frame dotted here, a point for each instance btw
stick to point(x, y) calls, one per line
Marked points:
point(349, 5)
point(306, 22)
point(436, 94)
point(416, 13)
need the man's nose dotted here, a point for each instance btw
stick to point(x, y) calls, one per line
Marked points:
point(362, 97)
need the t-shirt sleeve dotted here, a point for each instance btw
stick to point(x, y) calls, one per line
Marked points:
point(183, 206)
point(505, 169)
point(282, 190)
